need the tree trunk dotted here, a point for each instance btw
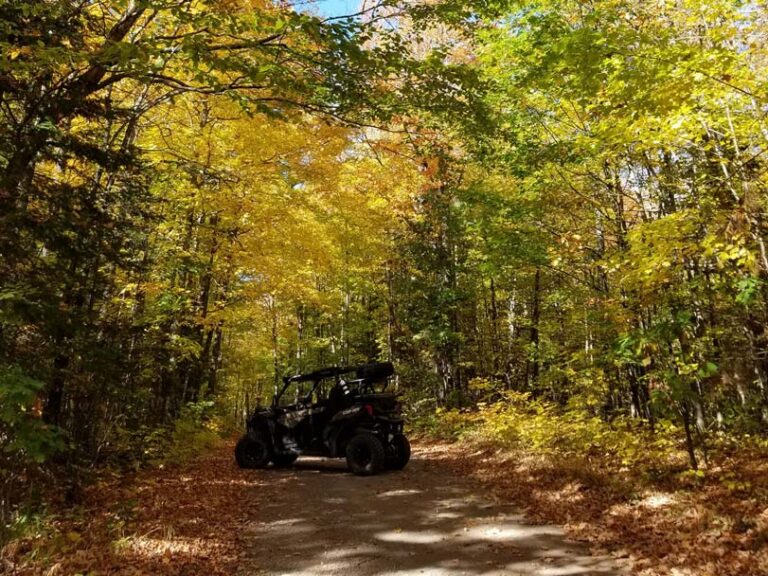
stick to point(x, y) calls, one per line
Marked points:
point(535, 319)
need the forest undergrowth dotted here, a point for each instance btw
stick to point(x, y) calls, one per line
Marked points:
point(622, 488)
point(151, 521)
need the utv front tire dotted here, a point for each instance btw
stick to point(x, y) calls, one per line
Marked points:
point(252, 452)
point(283, 460)
point(399, 452)
point(365, 454)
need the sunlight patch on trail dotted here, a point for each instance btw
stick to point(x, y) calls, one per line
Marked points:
point(496, 532)
point(410, 536)
point(391, 493)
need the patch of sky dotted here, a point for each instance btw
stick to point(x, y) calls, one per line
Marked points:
point(328, 8)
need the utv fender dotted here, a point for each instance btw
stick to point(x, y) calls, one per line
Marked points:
point(338, 436)
point(259, 428)
point(349, 432)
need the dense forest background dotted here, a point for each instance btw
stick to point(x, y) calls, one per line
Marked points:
point(549, 214)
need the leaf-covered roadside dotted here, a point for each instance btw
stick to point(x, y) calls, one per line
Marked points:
point(170, 520)
point(663, 518)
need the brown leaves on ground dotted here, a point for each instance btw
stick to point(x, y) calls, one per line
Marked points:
point(677, 524)
point(189, 520)
point(172, 521)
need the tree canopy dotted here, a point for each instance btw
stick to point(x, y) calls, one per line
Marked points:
point(549, 202)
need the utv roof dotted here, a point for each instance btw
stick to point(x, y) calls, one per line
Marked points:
point(372, 371)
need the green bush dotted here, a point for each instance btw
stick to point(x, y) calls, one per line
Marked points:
point(196, 429)
point(519, 422)
point(445, 424)
point(25, 441)
point(194, 432)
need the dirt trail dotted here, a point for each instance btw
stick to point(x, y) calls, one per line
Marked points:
point(210, 518)
point(421, 521)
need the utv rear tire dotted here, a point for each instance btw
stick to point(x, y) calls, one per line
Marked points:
point(283, 460)
point(252, 452)
point(399, 452)
point(365, 454)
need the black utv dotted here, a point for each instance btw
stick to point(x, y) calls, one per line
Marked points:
point(325, 414)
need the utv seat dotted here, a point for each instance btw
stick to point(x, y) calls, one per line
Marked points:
point(337, 398)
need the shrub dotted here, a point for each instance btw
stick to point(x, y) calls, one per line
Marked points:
point(195, 431)
point(519, 422)
point(25, 441)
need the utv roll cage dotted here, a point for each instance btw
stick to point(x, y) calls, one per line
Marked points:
point(366, 375)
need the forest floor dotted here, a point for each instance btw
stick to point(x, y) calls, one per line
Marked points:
point(211, 518)
point(456, 509)
point(670, 523)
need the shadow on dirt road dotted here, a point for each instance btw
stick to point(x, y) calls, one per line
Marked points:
point(422, 521)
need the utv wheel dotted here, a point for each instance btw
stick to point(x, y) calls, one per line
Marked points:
point(251, 452)
point(365, 454)
point(399, 452)
point(283, 460)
